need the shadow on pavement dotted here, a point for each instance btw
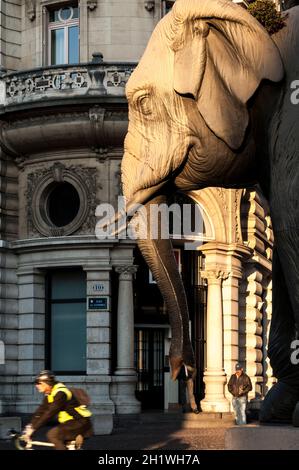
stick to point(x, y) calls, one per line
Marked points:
point(172, 435)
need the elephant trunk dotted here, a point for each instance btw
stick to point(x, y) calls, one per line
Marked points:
point(158, 254)
point(119, 221)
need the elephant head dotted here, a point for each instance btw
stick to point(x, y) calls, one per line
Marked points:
point(204, 61)
point(188, 123)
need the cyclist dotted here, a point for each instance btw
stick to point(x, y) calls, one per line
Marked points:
point(74, 419)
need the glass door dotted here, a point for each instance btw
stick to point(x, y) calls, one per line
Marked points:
point(66, 321)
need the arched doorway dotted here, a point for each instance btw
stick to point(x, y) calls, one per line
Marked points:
point(154, 387)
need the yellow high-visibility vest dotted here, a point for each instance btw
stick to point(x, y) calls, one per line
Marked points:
point(63, 416)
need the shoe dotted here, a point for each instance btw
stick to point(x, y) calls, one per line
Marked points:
point(196, 411)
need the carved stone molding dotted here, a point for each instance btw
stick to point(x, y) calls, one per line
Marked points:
point(97, 114)
point(117, 179)
point(237, 214)
point(216, 276)
point(38, 186)
point(126, 272)
point(58, 172)
point(97, 129)
point(92, 4)
point(149, 5)
point(221, 192)
point(31, 9)
point(95, 78)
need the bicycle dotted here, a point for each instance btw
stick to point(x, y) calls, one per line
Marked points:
point(28, 444)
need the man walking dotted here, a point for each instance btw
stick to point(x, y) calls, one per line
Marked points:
point(239, 385)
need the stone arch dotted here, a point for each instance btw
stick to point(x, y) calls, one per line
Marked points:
point(213, 213)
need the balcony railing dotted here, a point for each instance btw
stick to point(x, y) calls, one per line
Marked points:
point(57, 82)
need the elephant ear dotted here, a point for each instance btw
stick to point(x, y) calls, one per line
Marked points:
point(221, 54)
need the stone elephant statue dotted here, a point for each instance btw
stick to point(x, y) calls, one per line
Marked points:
point(211, 104)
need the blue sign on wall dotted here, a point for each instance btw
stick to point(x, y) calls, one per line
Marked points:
point(98, 303)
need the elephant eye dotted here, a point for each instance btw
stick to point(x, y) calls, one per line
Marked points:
point(143, 103)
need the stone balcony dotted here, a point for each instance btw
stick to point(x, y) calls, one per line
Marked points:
point(64, 82)
point(56, 108)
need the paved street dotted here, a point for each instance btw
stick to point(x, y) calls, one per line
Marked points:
point(156, 436)
point(165, 437)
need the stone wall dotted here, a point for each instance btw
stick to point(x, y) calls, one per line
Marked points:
point(256, 293)
point(118, 29)
point(10, 34)
point(8, 276)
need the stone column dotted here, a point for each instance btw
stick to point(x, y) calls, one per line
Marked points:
point(125, 374)
point(125, 322)
point(214, 375)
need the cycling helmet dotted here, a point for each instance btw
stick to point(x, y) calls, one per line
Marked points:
point(45, 376)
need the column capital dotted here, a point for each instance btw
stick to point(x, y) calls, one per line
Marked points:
point(216, 276)
point(126, 271)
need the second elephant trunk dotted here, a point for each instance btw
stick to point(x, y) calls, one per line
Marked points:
point(158, 254)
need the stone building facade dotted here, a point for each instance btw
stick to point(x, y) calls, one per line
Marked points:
point(70, 301)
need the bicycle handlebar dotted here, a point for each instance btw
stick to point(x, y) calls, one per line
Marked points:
point(27, 444)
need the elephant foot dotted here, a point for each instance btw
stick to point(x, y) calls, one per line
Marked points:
point(279, 405)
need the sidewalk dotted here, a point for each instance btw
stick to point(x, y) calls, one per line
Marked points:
point(159, 431)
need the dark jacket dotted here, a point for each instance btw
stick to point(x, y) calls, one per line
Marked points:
point(239, 386)
point(184, 374)
point(47, 410)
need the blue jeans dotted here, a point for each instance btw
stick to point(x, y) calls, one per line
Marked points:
point(239, 406)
